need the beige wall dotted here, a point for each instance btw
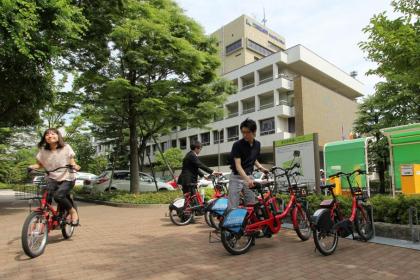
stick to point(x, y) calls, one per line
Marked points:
point(319, 109)
point(239, 29)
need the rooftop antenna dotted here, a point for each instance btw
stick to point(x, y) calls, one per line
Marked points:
point(264, 20)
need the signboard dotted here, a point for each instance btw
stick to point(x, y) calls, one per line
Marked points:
point(307, 145)
point(406, 170)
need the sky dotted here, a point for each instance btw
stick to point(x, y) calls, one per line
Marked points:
point(330, 28)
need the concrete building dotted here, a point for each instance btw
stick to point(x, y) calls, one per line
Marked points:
point(287, 91)
point(244, 40)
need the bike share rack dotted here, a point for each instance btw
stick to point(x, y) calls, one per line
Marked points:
point(413, 221)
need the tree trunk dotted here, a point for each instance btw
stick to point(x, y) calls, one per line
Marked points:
point(134, 163)
point(381, 172)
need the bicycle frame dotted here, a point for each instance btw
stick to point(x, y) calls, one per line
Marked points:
point(354, 206)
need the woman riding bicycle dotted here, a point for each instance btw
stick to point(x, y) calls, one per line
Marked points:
point(53, 154)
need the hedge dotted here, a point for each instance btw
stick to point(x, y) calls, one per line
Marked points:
point(385, 208)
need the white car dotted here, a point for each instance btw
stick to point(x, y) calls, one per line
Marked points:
point(204, 183)
point(121, 181)
point(82, 176)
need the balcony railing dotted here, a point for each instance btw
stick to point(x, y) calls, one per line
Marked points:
point(232, 138)
point(232, 115)
point(247, 86)
point(266, 106)
point(207, 143)
point(217, 141)
point(266, 132)
point(266, 80)
point(248, 110)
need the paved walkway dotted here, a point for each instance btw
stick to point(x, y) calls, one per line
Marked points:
point(140, 243)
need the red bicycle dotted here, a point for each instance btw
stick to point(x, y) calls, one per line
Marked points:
point(328, 222)
point(45, 218)
point(241, 226)
point(183, 210)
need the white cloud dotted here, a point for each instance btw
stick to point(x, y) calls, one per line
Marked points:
point(330, 28)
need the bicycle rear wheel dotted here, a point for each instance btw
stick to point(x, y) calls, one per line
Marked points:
point(325, 242)
point(236, 244)
point(34, 234)
point(181, 217)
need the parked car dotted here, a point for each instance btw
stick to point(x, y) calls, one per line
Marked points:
point(38, 180)
point(82, 176)
point(121, 181)
point(203, 182)
point(259, 176)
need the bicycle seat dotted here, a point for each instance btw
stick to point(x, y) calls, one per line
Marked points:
point(331, 186)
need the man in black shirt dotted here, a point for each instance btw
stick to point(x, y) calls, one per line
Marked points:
point(244, 156)
point(191, 166)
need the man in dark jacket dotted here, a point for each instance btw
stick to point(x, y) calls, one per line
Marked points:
point(191, 166)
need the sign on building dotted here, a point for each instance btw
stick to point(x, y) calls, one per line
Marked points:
point(307, 145)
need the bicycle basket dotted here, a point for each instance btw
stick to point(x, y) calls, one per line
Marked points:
point(29, 191)
point(234, 220)
point(220, 206)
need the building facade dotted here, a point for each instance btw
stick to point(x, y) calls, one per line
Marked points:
point(288, 92)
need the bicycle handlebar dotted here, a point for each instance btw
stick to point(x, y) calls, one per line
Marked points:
point(338, 174)
point(68, 166)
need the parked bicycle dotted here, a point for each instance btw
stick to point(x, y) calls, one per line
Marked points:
point(328, 222)
point(45, 218)
point(183, 209)
point(241, 226)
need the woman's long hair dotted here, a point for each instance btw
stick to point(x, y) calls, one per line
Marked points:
point(45, 145)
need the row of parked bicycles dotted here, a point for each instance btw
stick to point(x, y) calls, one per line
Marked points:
point(239, 228)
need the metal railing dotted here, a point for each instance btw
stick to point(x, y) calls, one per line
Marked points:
point(266, 106)
point(247, 86)
point(266, 80)
point(249, 110)
point(232, 115)
point(232, 138)
point(266, 132)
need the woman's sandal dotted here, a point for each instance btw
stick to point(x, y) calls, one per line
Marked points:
point(75, 223)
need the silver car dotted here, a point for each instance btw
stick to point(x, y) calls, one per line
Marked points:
point(121, 181)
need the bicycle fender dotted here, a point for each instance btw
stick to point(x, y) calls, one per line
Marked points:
point(177, 204)
point(321, 220)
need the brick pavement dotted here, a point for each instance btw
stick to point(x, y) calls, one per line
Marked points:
point(140, 243)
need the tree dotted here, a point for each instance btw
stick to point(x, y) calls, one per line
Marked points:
point(369, 122)
point(394, 44)
point(161, 72)
point(32, 36)
point(173, 157)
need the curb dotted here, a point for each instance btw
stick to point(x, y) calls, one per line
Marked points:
point(121, 204)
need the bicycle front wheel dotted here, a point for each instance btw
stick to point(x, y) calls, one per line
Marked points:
point(364, 223)
point(181, 217)
point(303, 225)
point(34, 234)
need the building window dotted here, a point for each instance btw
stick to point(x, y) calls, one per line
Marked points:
point(154, 148)
point(164, 146)
point(216, 137)
point(233, 47)
point(258, 48)
point(291, 124)
point(267, 126)
point(173, 143)
point(193, 138)
point(183, 143)
point(274, 46)
point(232, 133)
point(205, 138)
point(148, 150)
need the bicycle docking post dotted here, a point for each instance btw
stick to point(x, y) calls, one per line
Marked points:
point(414, 222)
